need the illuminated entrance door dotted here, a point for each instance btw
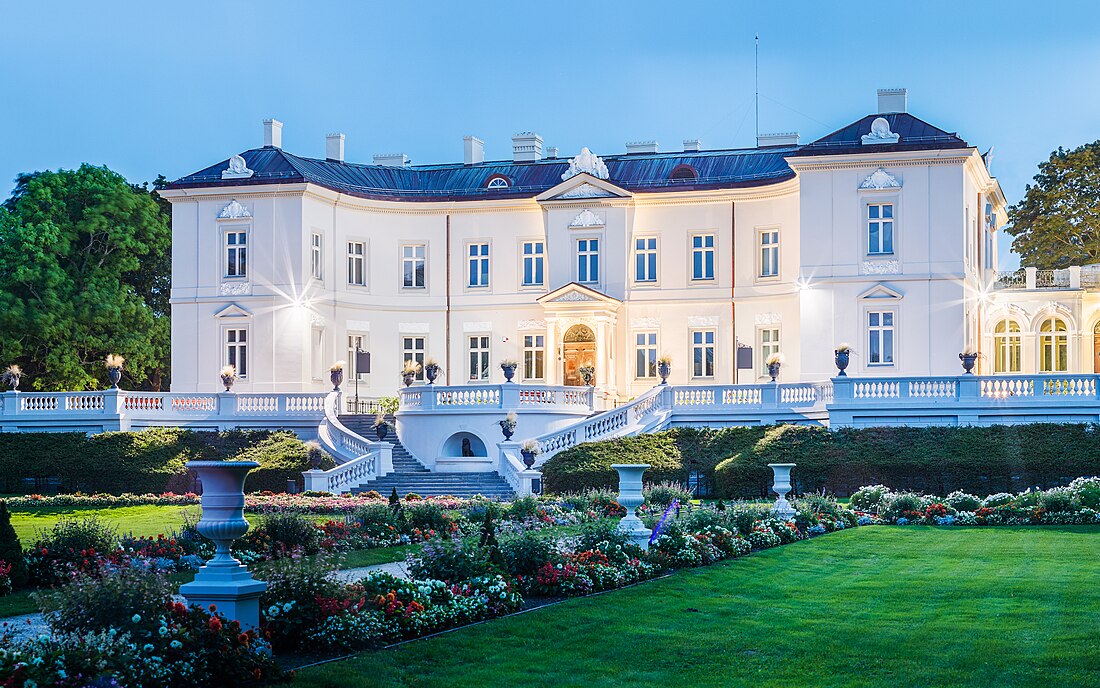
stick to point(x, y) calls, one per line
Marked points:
point(578, 350)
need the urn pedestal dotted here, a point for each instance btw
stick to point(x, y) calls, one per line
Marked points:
point(781, 487)
point(224, 581)
point(630, 497)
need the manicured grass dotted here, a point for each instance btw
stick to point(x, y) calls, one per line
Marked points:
point(139, 520)
point(877, 606)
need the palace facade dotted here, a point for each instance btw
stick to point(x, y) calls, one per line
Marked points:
point(882, 235)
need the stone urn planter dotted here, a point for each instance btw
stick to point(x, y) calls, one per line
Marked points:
point(336, 376)
point(630, 497)
point(224, 581)
point(432, 371)
point(664, 369)
point(528, 457)
point(509, 368)
point(381, 430)
point(408, 378)
point(773, 370)
point(114, 375)
point(507, 428)
point(781, 486)
point(11, 377)
point(842, 358)
point(968, 360)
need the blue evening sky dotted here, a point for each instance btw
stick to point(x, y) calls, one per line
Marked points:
point(150, 88)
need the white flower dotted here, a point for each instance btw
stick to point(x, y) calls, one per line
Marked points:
point(135, 618)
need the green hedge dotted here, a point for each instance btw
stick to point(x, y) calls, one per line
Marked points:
point(148, 461)
point(936, 460)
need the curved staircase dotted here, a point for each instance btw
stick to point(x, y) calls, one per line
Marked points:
point(409, 475)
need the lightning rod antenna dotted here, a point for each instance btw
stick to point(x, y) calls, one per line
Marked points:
point(757, 97)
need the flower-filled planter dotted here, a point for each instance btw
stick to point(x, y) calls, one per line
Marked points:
point(11, 376)
point(774, 363)
point(509, 368)
point(508, 425)
point(228, 376)
point(529, 450)
point(114, 364)
point(409, 372)
point(664, 368)
point(336, 375)
point(842, 357)
point(432, 371)
point(381, 427)
point(968, 359)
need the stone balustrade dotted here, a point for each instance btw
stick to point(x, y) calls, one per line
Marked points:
point(506, 396)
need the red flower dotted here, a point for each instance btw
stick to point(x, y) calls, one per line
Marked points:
point(215, 623)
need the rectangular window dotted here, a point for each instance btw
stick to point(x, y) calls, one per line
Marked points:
point(357, 252)
point(880, 228)
point(236, 350)
point(478, 274)
point(413, 265)
point(317, 353)
point(356, 343)
point(236, 254)
point(534, 357)
point(412, 349)
point(702, 257)
point(769, 344)
point(702, 353)
point(645, 353)
point(315, 258)
point(645, 259)
point(479, 358)
point(769, 253)
point(880, 338)
point(588, 261)
point(534, 259)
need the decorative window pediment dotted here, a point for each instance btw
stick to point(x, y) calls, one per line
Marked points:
point(234, 210)
point(576, 293)
point(587, 218)
point(881, 292)
point(583, 185)
point(233, 311)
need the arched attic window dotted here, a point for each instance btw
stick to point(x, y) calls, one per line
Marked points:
point(498, 181)
point(683, 172)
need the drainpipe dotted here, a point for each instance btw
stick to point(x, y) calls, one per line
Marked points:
point(733, 283)
point(447, 311)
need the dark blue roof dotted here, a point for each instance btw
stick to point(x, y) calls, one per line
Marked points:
point(644, 172)
point(914, 134)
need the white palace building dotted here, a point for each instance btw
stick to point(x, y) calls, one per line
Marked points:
point(881, 235)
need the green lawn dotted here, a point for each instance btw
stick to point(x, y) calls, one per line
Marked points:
point(879, 606)
point(139, 520)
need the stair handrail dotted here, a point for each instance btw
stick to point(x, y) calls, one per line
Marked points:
point(359, 460)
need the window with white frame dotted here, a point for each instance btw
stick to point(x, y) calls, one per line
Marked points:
point(588, 261)
point(317, 353)
point(645, 354)
point(534, 263)
point(236, 350)
point(412, 349)
point(356, 343)
point(1007, 347)
point(1053, 346)
point(534, 357)
point(413, 265)
point(316, 257)
point(769, 253)
point(357, 272)
point(645, 259)
point(880, 338)
point(236, 253)
point(478, 350)
point(880, 228)
point(478, 272)
point(768, 342)
point(702, 257)
point(702, 353)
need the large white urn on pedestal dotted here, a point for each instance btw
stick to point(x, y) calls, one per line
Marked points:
point(781, 487)
point(630, 497)
point(224, 581)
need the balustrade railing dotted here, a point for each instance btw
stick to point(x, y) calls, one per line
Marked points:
point(933, 390)
point(507, 397)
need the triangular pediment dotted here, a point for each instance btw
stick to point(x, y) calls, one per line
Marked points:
point(881, 291)
point(576, 293)
point(233, 311)
point(583, 185)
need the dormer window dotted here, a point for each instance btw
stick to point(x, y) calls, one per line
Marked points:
point(498, 181)
point(683, 172)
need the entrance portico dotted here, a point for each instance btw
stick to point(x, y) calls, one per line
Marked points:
point(580, 330)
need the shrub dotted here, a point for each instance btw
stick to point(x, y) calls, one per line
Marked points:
point(11, 550)
point(999, 499)
point(661, 495)
point(526, 553)
point(869, 498)
point(903, 504)
point(599, 534)
point(378, 520)
point(450, 560)
point(282, 456)
point(287, 532)
point(426, 516)
point(961, 501)
point(1059, 499)
point(523, 508)
point(1087, 491)
point(297, 588)
point(70, 546)
point(112, 600)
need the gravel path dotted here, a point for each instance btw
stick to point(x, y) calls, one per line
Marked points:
point(29, 626)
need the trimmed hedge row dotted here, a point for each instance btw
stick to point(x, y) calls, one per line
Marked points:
point(939, 460)
point(150, 461)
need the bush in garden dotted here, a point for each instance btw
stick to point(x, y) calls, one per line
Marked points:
point(905, 504)
point(1059, 499)
point(297, 590)
point(524, 508)
point(526, 553)
point(1087, 491)
point(425, 516)
point(660, 495)
point(475, 513)
point(288, 532)
point(961, 501)
point(450, 560)
point(110, 600)
point(377, 519)
point(282, 456)
point(11, 550)
point(71, 546)
point(869, 498)
point(595, 533)
point(999, 499)
point(6, 585)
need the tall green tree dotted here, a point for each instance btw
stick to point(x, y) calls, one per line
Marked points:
point(84, 271)
point(1057, 224)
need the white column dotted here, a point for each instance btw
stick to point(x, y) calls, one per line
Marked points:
point(553, 363)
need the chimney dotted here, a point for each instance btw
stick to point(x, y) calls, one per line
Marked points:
point(692, 145)
point(552, 152)
point(391, 159)
point(473, 150)
point(334, 147)
point(784, 138)
point(526, 147)
point(641, 147)
point(273, 133)
point(893, 100)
